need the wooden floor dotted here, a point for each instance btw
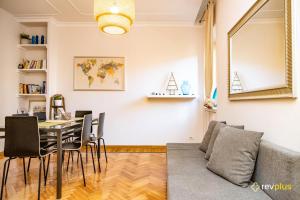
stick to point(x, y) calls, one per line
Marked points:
point(128, 176)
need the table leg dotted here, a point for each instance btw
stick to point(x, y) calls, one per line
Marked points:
point(59, 165)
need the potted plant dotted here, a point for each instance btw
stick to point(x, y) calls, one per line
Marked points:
point(57, 100)
point(24, 38)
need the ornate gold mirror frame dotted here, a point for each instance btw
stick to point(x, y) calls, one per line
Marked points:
point(286, 91)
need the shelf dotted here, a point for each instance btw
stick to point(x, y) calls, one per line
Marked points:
point(32, 70)
point(33, 46)
point(171, 96)
point(32, 95)
point(212, 110)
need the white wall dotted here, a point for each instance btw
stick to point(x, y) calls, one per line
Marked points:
point(151, 54)
point(279, 119)
point(9, 58)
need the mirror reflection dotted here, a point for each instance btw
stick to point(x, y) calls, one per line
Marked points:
point(257, 51)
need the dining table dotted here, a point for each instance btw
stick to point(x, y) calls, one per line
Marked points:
point(58, 128)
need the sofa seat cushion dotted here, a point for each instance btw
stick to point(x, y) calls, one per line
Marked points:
point(189, 179)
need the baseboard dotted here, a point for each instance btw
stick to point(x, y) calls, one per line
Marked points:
point(134, 148)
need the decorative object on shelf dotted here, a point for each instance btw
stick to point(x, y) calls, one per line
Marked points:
point(172, 85)
point(58, 100)
point(33, 39)
point(236, 85)
point(114, 16)
point(36, 106)
point(185, 88)
point(44, 87)
point(24, 38)
point(99, 73)
point(36, 39)
point(56, 109)
point(42, 39)
point(210, 104)
point(215, 94)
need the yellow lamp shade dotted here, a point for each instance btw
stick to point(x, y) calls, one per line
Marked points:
point(114, 16)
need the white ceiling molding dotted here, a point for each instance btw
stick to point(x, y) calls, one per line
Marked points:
point(137, 24)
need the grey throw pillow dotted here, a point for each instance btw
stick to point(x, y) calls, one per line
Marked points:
point(214, 136)
point(205, 142)
point(235, 154)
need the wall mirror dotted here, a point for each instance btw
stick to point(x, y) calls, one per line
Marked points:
point(260, 52)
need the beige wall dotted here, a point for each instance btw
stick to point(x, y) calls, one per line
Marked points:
point(279, 119)
point(151, 54)
point(9, 58)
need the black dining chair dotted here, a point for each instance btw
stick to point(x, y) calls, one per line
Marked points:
point(22, 139)
point(84, 140)
point(99, 137)
point(79, 114)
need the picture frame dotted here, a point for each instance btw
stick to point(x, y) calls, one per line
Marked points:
point(94, 73)
point(36, 106)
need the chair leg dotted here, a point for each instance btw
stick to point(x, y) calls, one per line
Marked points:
point(82, 168)
point(77, 158)
point(104, 149)
point(93, 158)
point(44, 168)
point(49, 157)
point(24, 170)
point(72, 156)
point(40, 172)
point(68, 160)
point(28, 166)
point(3, 177)
point(86, 153)
point(98, 156)
point(7, 171)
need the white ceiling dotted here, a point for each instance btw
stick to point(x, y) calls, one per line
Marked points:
point(82, 10)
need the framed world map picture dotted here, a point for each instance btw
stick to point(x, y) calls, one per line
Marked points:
point(99, 73)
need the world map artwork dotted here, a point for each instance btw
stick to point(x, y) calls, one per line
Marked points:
point(99, 73)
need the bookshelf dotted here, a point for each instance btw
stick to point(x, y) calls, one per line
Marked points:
point(33, 65)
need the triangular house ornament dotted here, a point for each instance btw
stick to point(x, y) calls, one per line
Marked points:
point(236, 85)
point(172, 85)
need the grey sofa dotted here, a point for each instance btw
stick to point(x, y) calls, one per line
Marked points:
point(189, 179)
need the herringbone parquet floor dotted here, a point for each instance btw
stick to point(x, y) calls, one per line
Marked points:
point(127, 176)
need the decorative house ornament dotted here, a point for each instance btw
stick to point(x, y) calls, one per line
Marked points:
point(236, 84)
point(114, 16)
point(172, 85)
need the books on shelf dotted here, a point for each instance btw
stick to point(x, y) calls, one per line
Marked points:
point(33, 64)
point(32, 88)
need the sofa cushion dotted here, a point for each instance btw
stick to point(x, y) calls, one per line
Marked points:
point(189, 179)
point(278, 165)
point(234, 155)
point(205, 142)
point(214, 136)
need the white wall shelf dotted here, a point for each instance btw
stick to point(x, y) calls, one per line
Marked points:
point(33, 70)
point(171, 96)
point(32, 95)
point(33, 46)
